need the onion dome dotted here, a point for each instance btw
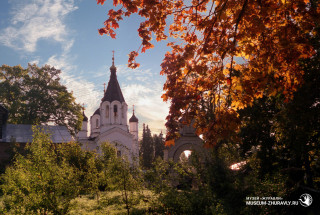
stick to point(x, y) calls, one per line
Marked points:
point(133, 118)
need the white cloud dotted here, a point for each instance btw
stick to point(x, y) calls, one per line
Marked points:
point(35, 61)
point(83, 90)
point(140, 88)
point(145, 95)
point(63, 61)
point(144, 91)
point(148, 104)
point(124, 71)
point(134, 92)
point(127, 73)
point(35, 20)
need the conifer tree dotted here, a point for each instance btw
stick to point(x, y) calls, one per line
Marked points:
point(147, 147)
point(158, 145)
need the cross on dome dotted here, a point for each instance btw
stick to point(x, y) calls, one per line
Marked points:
point(112, 57)
point(85, 118)
point(133, 118)
point(113, 91)
point(113, 67)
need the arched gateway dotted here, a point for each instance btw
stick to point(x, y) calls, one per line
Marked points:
point(187, 141)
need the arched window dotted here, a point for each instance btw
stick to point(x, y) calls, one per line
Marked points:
point(115, 110)
point(97, 123)
point(107, 111)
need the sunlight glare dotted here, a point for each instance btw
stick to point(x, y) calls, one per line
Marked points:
point(187, 153)
point(237, 166)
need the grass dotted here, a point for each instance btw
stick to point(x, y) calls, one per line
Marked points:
point(112, 203)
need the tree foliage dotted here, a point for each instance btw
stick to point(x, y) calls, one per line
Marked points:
point(224, 54)
point(86, 165)
point(126, 178)
point(39, 183)
point(49, 176)
point(158, 145)
point(281, 142)
point(36, 96)
point(147, 147)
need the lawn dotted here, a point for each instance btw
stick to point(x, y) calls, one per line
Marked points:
point(113, 203)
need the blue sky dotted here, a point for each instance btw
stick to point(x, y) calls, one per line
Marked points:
point(64, 34)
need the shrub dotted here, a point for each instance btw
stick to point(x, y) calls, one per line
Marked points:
point(39, 182)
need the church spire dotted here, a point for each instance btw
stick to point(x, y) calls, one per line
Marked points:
point(112, 57)
point(113, 91)
point(113, 67)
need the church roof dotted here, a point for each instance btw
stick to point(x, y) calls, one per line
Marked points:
point(97, 112)
point(113, 92)
point(24, 134)
point(133, 118)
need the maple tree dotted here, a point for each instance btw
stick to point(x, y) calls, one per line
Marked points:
point(224, 54)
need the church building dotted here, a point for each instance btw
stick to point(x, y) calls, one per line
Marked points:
point(109, 123)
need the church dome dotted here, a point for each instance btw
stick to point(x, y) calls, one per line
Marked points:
point(133, 118)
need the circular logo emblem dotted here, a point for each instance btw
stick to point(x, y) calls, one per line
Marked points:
point(305, 200)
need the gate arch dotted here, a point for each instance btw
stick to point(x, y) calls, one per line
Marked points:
point(187, 141)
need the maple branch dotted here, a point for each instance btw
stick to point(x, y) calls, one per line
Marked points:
point(212, 24)
point(240, 15)
point(234, 44)
point(186, 7)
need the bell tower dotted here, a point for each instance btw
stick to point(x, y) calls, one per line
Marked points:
point(113, 108)
point(133, 125)
point(109, 122)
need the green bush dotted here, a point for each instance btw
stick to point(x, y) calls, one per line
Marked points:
point(39, 182)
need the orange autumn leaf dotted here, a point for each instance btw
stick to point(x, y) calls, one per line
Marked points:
point(100, 2)
point(169, 142)
point(102, 31)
